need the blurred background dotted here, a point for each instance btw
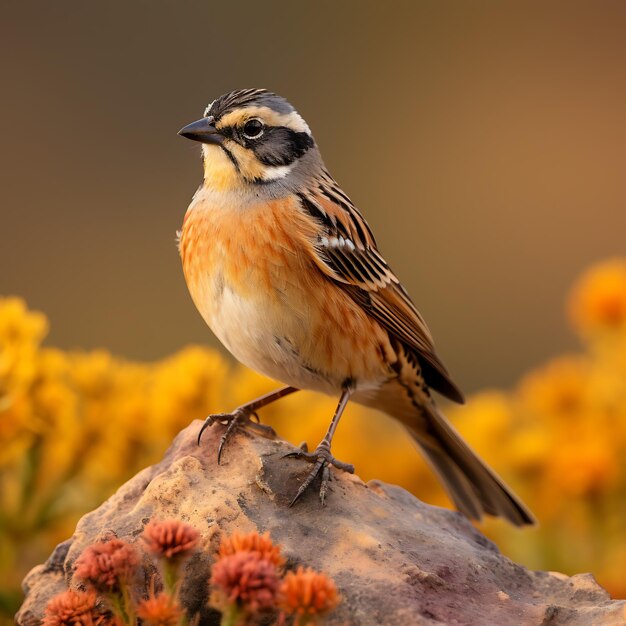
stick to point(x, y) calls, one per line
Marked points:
point(483, 141)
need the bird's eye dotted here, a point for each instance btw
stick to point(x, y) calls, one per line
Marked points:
point(253, 129)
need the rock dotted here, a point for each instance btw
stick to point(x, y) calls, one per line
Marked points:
point(395, 559)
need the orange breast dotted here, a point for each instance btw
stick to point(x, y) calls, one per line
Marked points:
point(259, 264)
point(257, 247)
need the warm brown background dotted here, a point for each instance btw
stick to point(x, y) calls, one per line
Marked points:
point(483, 140)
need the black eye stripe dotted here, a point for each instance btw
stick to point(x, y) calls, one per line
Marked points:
point(280, 145)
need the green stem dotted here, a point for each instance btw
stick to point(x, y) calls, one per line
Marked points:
point(170, 577)
point(231, 616)
point(129, 609)
point(117, 606)
point(30, 471)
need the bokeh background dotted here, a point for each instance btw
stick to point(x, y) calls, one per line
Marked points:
point(484, 142)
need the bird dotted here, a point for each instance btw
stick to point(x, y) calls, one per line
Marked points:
point(286, 272)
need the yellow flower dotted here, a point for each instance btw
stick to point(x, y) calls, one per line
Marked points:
point(556, 389)
point(185, 387)
point(20, 327)
point(94, 374)
point(21, 332)
point(583, 467)
point(529, 450)
point(485, 419)
point(597, 303)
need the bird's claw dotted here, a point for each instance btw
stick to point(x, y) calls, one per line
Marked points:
point(239, 418)
point(322, 460)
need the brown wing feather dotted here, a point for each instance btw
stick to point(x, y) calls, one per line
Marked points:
point(348, 254)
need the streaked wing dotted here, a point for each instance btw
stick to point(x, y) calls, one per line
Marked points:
point(348, 254)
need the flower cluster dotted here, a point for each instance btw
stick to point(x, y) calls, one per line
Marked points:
point(246, 583)
point(559, 437)
point(110, 570)
point(107, 565)
point(170, 539)
point(308, 594)
point(74, 607)
point(251, 542)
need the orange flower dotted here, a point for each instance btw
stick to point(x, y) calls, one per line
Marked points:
point(171, 539)
point(73, 607)
point(251, 542)
point(106, 565)
point(160, 610)
point(307, 592)
point(558, 388)
point(245, 580)
point(598, 300)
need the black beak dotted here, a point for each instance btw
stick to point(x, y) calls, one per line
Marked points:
point(203, 130)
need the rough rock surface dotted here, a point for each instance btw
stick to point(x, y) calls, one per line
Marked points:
point(395, 559)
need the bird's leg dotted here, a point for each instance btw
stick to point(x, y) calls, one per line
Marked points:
point(321, 456)
point(241, 417)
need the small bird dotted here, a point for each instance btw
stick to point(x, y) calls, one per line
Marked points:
point(286, 272)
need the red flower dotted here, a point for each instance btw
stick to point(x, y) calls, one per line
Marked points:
point(171, 539)
point(247, 580)
point(106, 565)
point(251, 542)
point(73, 607)
point(160, 610)
point(307, 592)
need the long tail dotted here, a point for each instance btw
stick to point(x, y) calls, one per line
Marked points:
point(474, 488)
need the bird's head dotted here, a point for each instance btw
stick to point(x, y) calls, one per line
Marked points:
point(252, 137)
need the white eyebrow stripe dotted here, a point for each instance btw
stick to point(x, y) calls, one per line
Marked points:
point(274, 172)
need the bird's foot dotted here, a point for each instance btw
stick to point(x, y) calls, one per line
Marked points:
point(240, 418)
point(322, 459)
